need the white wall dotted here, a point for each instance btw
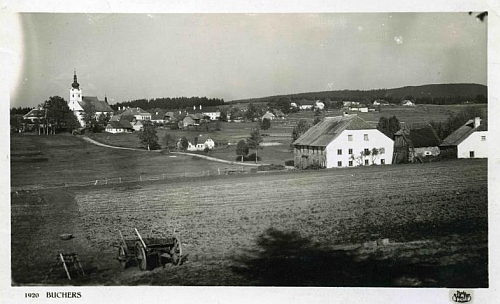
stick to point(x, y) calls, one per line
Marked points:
point(474, 143)
point(376, 139)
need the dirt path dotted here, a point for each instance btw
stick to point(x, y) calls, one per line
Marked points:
point(90, 140)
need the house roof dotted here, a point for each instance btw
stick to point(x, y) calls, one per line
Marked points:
point(268, 115)
point(135, 111)
point(123, 124)
point(462, 133)
point(330, 128)
point(34, 113)
point(278, 112)
point(99, 105)
point(420, 137)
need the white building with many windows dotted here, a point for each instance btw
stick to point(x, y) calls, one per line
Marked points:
point(342, 141)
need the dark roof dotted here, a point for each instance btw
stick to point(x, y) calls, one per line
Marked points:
point(421, 137)
point(330, 128)
point(99, 105)
point(121, 124)
point(157, 114)
point(462, 133)
point(34, 113)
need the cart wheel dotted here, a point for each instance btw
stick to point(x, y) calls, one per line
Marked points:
point(176, 251)
point(122, 257)
point(141, 257)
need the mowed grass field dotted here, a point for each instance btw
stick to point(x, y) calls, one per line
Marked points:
point(303, 228)
point(39, 160)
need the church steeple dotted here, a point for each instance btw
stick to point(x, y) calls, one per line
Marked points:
point(75, 83)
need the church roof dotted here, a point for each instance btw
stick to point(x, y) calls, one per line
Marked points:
point(99, 105)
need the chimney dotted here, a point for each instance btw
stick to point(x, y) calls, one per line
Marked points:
point(477, 122)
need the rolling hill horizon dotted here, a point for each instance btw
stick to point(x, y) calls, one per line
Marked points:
point(447, 90)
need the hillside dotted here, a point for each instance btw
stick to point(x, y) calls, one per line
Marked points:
point(431, 93)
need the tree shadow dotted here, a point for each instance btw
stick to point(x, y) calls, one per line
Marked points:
point(285, 258)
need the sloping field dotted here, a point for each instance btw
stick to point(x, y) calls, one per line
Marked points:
point(434, 215)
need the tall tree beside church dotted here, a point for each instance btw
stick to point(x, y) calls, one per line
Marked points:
point(58, 115)
point(89, 115)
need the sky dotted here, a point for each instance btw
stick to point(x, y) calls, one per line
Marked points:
point(236, 56)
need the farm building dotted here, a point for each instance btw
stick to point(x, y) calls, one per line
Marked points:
point(342, 141)
point(158, 116)
point(319, 105)
point(306, 104)
point(411, 145)
point(279, 114)
point(268, 115)
point(123, 126)
point(468, 141)
point(137, 112)
point(35, 115)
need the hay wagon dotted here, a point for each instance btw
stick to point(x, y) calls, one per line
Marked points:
point(150, 252)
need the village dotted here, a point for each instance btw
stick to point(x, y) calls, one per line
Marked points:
point(324, 140)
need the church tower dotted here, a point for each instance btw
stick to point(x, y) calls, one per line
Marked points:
point(75, 96)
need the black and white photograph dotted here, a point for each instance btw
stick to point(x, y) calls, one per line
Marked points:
point(174, 149)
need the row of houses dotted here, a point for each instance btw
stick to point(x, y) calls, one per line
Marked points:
point(350, 141)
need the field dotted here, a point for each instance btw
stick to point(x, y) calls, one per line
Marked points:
point(48, 161)
point(310, 228)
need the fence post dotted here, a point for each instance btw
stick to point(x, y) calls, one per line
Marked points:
point(120, 180)
point(140, 177)
point(218, 170)
point(163, 176)
point(96, 182)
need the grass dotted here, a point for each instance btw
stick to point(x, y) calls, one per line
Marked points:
point(69, 159)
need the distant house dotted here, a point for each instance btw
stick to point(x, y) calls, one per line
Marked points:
point(269, 116)
point(212, 112)
point(186, 122)
point(350, 103)
point(468, 141)
point(158, 116)
point(138, 113)
point(408, 103)
point(279, 114)
point(411, 145)
point(202, 142)
point(306, 104)
point(137, 125)
point(34, 116)
point(342, 141)
point(123, 126)
point(318, 104)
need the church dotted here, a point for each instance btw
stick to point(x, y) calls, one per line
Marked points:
point(77, 103)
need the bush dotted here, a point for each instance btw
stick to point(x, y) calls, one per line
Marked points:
point(250, 157)
point(271, 167)
point(447, 154)
point(290, 162)
point(314, 167)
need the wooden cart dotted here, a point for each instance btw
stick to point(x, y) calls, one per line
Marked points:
point(151, 252)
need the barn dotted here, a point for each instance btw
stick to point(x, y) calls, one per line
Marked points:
point(342, 141)
point(412, 145)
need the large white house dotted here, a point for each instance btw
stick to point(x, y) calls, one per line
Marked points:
point(468, 141)
point(342, 141)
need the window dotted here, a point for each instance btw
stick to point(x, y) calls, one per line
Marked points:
point(339, 163)
point(366, 162)
point(350, 163)
point(73, 95)
point(365, 137)
point(483, 138)
point(350, 151)
point(381, 151)
point(382, 161)
point(471, 154)
point(349, 137)
point(339, 151)
point(366, 151)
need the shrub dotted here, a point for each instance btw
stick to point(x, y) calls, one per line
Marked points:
point(271, 167)
point(250, 157)
point(290, 162)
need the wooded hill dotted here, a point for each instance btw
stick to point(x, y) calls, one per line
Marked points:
point(453, 93)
